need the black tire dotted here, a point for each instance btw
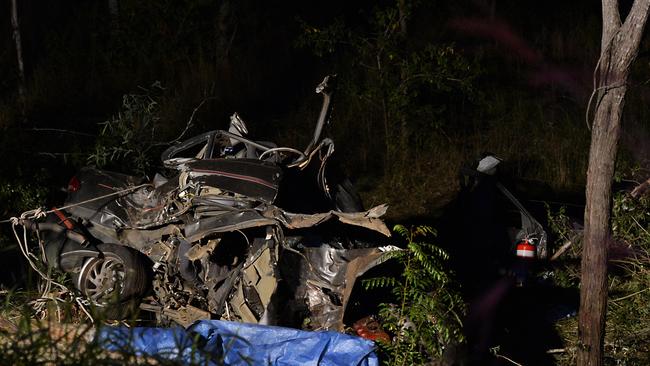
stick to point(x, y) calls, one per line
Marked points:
point(114, 281)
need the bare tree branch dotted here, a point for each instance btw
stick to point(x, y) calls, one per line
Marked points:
point(641, 189)
point(190, 123)
point(58, 130)
point(561, 251)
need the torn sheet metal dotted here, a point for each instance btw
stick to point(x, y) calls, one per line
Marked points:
point(251, 300)
point(227, 221)
point(223, 221)
point(197, 252)
point(329, 275)
point(370, 219)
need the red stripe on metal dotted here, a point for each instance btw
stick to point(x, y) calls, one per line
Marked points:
point(66, 221)
point(106, 186)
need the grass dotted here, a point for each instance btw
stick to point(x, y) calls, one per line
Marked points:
point(627, 337)
point(27, 340)
point(541, 154)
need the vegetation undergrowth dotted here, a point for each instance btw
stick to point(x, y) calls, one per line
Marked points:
point(44, 323)
point(63, 335)
point(424, 318)
point(627, 338)
point(417, 110)
point(126, 139)
point(412, 104)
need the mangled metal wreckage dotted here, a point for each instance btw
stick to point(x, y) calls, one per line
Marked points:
point(216, 239)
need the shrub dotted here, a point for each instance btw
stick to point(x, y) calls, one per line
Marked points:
point(127, 140)
point(425, 318)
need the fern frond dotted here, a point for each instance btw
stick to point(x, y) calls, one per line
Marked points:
point(379, 282)
point(423, 230)
point(424, 297)
point(401, 230)
point(393, 254)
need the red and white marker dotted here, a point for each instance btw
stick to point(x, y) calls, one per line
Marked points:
point(525, 249)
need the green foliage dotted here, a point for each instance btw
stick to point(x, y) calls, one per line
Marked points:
point(627, 338)
point(127, 139)
point(17, 197)
point(417, 108)
point(628, 314)
point(425, 317)
point(567, 270)
point(323, 41)
point(559, 223)
point(631, 219)
point(415, 104)
point(390, 85)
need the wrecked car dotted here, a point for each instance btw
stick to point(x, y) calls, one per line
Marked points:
point(500, 236)
point(223, 237)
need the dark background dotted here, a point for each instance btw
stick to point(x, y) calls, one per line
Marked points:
point(524, 72)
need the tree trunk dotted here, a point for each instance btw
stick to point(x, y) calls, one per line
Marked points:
point(227, 28)
point(113, 8)
point(620, 43)
point(403, 10)
point(114, 13)
point(593, 288)
point(19, 56)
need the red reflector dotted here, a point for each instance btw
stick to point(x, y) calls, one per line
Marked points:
point(74, 184)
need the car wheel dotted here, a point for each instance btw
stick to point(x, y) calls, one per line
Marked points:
point(115, 279)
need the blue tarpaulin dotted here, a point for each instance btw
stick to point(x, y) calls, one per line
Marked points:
point(215, 342)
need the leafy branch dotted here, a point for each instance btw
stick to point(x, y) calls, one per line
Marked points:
point(425, 317)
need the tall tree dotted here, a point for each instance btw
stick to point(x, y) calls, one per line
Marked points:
point(19, 56)
point(114, 13)
point(619, 47)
